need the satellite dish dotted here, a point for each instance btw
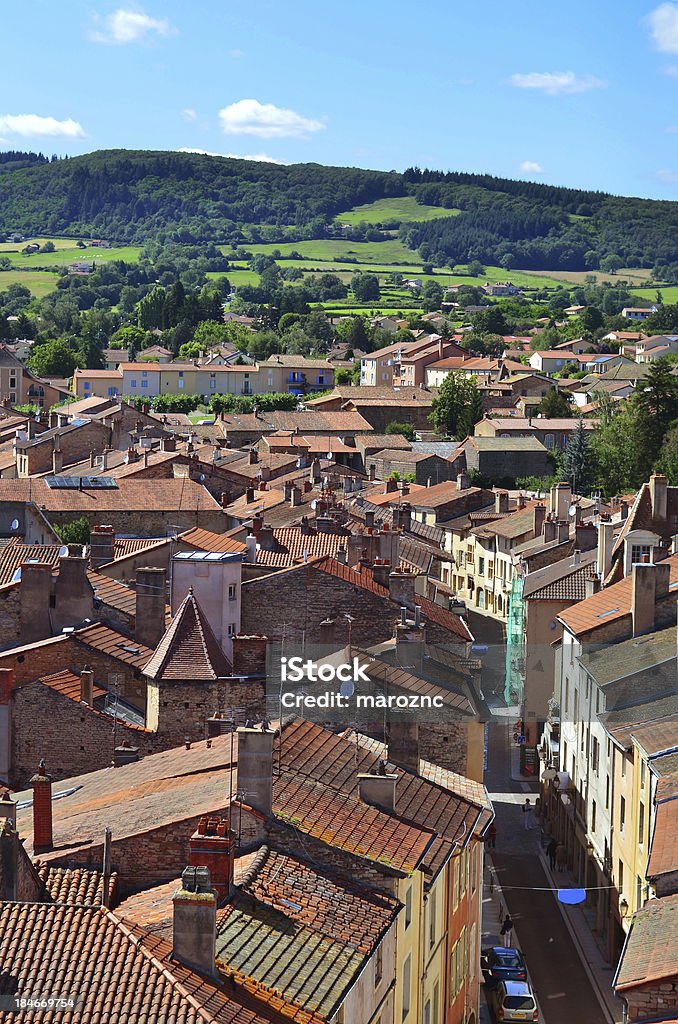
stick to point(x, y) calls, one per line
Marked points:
point(63, 550)
point(314, 504)
point(202, 478)
point(347, 688)
point(15, 524)
point(572, 510)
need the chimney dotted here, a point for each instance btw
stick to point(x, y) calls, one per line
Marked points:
point(520, 502)
point(151, 599)
point(132, 455)
point(6, 683)
point(410, 639)
point(57, 459)
point(563, 531)
point(649, 586)
point(390, 486)
point(295, 496)
point(92, 459)
point(369, 519)
point(501, 503)
point(463, 481)
point(253, 457)
point(266, 538)
point(195, 921)
point(401, 588)
point(605, 546)
point(212, 845)
point(591, 585)
point(87, 685)
point(623, 510)
point(9, 857)
point(101, 546)
point(42, 810)
point(255, 767)
point(341, 554)
point(373, 471)
point(316, 471)
point(125, 754)
point(403, 744)
point(287, 489)
point(550, 529)
point(106, 459)
point(538, 516)
point(378, 790)
point(168, 444)
point(249, 495)
point(257, 524)
point(658, 497)
point(561, 499)
point(249, 654)
point(30, 428)
point(326, 632)
point(251, 546)
point(34, 596)
point(381, 571)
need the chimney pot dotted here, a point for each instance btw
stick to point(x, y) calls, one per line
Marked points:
point(378, 790)
point(42, 810)
point(195, 920)
point(87, 686)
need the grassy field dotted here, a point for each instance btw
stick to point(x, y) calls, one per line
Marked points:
point(405, 210)
point(40, 282)
point(669, 295)
point(333, 250)
point(236, 277)
point(70, 254)
point(634, 275)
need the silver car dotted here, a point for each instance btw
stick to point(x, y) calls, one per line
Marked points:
point(514, 1000)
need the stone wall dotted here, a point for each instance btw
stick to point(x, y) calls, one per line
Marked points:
point(655, 1000)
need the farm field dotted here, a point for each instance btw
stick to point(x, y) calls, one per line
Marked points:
point(332, 250)
point(63, 256)
point(631, 274)
point(59, 243)
point(236, 277)
point(669, 295)
point(405, 209)
point(40, 282)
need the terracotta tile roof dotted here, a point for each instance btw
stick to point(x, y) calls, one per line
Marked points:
point(189, 648)
point(341, 820)
point(14, 553)
point(565, 580)
point(658, 737)
point(205, 540)
point(112, 593)
point(76, 885)
point(319, 422)
point(119, 974)
point(133, 495)
point(379, 496)
point(123, 547)
point(67, 683)
point(664, 846)
point(114, 644)
point(609, 604)
point(293, 547)
point(377, 442)
point(651, 951)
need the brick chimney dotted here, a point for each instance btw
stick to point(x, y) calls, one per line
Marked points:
point(6, 682)
point(194, 930)
point(42, 810)
point(390, 486)
point(403, 744)
point(257, 524)
point(538, 516)
point(266, 538)
point(151, 598)
point(369, 519)
point(74, 595)
point(34, 595)
point(378, 790)
point(255, 767)
point(649, 586)
point(658, 497)
point(87, 685)
point(168, 444)
point(249, 655)
point(212, 845)
point(102, 546)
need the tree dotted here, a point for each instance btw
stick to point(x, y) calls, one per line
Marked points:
point(365, 287)
point(77, 531)
point(458, 406)
point(490, 321)
point(617, 455)
point(432, 296)
point(656, 398)
point(664, 321)
point(578, 466)
point(475, 269)
point(48, 247)
point(53, 358)
point(406, 429)
point(126, 336)
point(591, 319)
point(555, 405)
point(611, 264)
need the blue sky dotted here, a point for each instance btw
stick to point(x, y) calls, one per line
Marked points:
point(583, 94)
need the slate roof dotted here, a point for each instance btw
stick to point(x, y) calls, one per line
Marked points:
point(563, 581)
point(189, 649)
point(120, 974)
point(651, 951)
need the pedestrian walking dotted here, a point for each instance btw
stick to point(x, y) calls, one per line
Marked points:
point(551, 850)
point(527, 813)
point(506, 930)
point(492, 836)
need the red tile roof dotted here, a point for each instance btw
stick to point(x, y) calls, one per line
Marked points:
point(115, 645)
point(651, 951)
point(664, 847)
point(67, 683)
point(132, 495)
point(189, 648)
point(293, 547)
point(113, 594)
point(206, 540)
point(117, 973)
point(76, 885)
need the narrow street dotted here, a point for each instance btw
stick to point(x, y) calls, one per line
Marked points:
point(561, 983)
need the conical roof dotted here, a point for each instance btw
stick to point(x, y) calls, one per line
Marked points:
point(189, 648)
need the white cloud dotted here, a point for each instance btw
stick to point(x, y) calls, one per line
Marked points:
point(663, 22)
point(531, 167)
point(130, 27)
point(668, 177)
point(259, 157)
point(189, 114)
point(30, 125)
point(249, 117)
point(556, 83)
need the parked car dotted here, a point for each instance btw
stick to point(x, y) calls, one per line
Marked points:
point(514, 1000)
point(499, 963)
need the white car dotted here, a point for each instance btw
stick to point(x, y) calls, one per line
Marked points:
point(514, 1000)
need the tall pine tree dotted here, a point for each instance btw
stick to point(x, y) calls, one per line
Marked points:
point(578, 466)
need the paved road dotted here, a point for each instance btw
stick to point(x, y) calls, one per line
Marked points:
point(560, 981)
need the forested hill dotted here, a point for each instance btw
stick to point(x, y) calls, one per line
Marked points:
point(137, 196)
